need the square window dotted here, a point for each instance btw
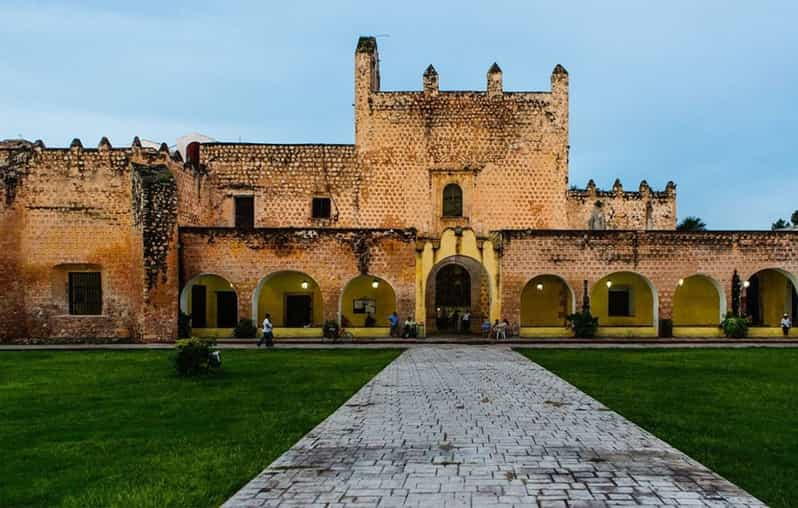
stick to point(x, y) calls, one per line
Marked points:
point(245, 212)
point(321, 208)
point(85, 293)
point(619, 302)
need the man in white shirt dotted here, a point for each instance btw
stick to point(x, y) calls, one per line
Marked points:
point(267, 332)
point(786, 323)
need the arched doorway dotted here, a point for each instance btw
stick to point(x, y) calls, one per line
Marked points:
point(211, 301)
point(456, 285)
point(626, 303)
point(770, 294)
point(546, 301)
point(698, 301)
point(292, 298)
point(367, 301)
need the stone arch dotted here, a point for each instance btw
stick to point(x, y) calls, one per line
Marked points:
point(221, 302)
point(643, 300)
point(293, 298)
point(362, 289)
point(546, 300)
point(480, 293)
point(698, 300)
point(771, 292)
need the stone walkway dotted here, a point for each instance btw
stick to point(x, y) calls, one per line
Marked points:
point(449, 425)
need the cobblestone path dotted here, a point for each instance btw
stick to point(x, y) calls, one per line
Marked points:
point(481, 426)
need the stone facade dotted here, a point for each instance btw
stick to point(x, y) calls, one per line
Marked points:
point(150, 222)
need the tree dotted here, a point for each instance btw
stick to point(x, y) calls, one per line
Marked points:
point(794, 218)
point(780, 224)
point(691, 224)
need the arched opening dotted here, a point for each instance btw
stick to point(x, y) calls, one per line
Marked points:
point(452, 201)
point(770, 294)
point(457, 286)
point(625, 300)
point(292, 298)
point(367, 301)
point(211, 301)
point(546, 301)
point(698, 301)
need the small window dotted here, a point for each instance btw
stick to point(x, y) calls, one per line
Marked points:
point(452, 201)
point(85, 293)
point(619, 302)
point(321, 208)
point(245, 212)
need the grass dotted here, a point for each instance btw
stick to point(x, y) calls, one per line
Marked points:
point(733, 410)
point(121, 429)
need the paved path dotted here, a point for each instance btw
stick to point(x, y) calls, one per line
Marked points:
point(449, 425)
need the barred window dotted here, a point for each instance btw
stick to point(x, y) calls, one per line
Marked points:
point(245, 212)
point(452, 201)
point(321, 208)
point(85, 293)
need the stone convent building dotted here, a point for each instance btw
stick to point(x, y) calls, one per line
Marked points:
point(447, 202)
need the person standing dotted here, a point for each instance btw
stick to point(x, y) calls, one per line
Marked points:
point(268, 335)
point(786, 323)
point(393, 319)
point(467, 321)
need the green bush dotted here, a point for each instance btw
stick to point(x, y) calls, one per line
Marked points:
point(245, 329)
point(193, 356)
point(583, 324)
point(183, 325)
point(734, 327)
point(331, 329)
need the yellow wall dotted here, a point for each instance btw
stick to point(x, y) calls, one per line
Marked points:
point(546, 307)
point(775, 296)
point(450, 246)
point(642, 300)
point(212, 283)
point(696, 302)
point(360, 287)
point(272, 297)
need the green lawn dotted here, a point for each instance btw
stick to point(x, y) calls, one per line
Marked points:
point(735, 410)
point(121, 429)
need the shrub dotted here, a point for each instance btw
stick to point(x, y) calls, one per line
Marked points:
point(734, 327)
point(583, 324)
point(183, 325)
point(193, 356)
point(331, 329)
point(245, 329)
point(666, 328)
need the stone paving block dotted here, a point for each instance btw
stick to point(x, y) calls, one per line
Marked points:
point(453, 425)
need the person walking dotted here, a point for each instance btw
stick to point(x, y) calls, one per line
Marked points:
point(268, 336)
point(786, 323)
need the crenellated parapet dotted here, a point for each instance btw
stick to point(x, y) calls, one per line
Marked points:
point(616, 208)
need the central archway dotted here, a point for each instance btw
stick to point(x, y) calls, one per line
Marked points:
point(456, 285)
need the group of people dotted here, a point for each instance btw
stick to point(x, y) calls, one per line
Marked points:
point(496, 331)
point(454, 321)
point(408, 330)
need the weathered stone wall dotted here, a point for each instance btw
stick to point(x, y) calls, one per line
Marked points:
point(663, 257)
point(507, 150)
point(283, 180)
point(595, 209)
point(331, 258)
point(78, 209)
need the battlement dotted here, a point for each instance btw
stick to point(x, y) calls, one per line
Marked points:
point(644, 191)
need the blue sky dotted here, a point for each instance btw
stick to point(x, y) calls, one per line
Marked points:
point(703, 93)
